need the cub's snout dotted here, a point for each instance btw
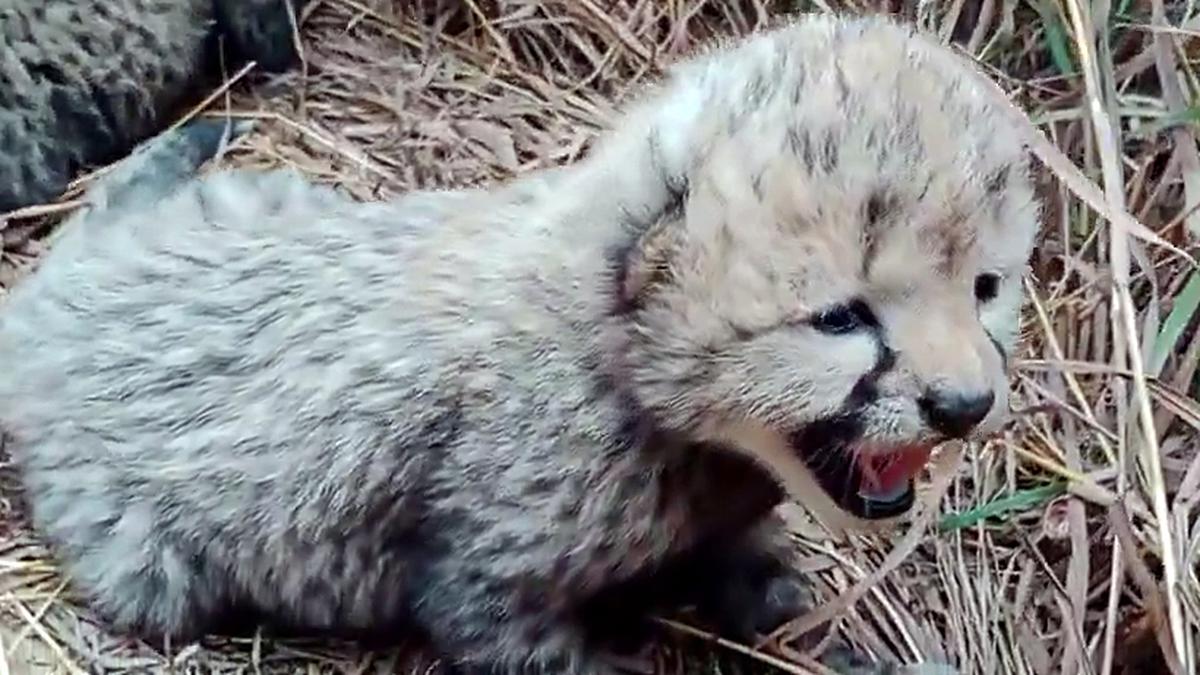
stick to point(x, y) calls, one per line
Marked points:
point(955, 412)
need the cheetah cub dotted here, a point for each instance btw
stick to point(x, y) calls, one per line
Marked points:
point(790, 270)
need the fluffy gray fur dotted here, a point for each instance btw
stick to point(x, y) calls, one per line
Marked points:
point(82, 82)
point(487, 413)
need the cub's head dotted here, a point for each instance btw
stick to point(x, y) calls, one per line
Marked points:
point(835, 286)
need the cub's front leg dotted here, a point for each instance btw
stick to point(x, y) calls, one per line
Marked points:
point(748, 587)
point(745, 587)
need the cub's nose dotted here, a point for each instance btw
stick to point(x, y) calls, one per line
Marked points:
point(955, 413)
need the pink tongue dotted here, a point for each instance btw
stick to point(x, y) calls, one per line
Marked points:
point(888, 473)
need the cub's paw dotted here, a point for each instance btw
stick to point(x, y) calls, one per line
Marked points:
point(754, 597)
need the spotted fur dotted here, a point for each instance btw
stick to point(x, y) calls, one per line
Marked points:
point(82, 82)
point(486, 414)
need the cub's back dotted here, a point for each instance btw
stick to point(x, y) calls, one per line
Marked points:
point(222, 344)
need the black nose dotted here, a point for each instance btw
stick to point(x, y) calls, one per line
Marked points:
point(955, 413)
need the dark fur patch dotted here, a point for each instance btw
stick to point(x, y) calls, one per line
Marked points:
point(949, 242)
point(800, 145)
point(260, 32)
point(756, 182)
point(876, 210)
point(843, 86)
point(878, 206)
point(730, 494)
point(866, 390)
point(829, 152)
point(999, 348)
point(997, 182)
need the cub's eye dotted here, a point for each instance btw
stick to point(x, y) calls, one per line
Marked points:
point(842, 319)
point(986, 287)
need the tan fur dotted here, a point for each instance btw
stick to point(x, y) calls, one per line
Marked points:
point(769, 238)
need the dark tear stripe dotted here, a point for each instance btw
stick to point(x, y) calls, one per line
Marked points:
point(999, 348)
point(866, 390)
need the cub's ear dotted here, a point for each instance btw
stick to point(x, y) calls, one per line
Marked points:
point(646, 265)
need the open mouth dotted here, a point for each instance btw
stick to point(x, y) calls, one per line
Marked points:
point(871, 482)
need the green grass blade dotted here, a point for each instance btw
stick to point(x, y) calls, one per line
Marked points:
point(1057, 41)
point(1177, 321)
point(1021, 500)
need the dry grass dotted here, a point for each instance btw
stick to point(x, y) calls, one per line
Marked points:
point(1068, 546)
